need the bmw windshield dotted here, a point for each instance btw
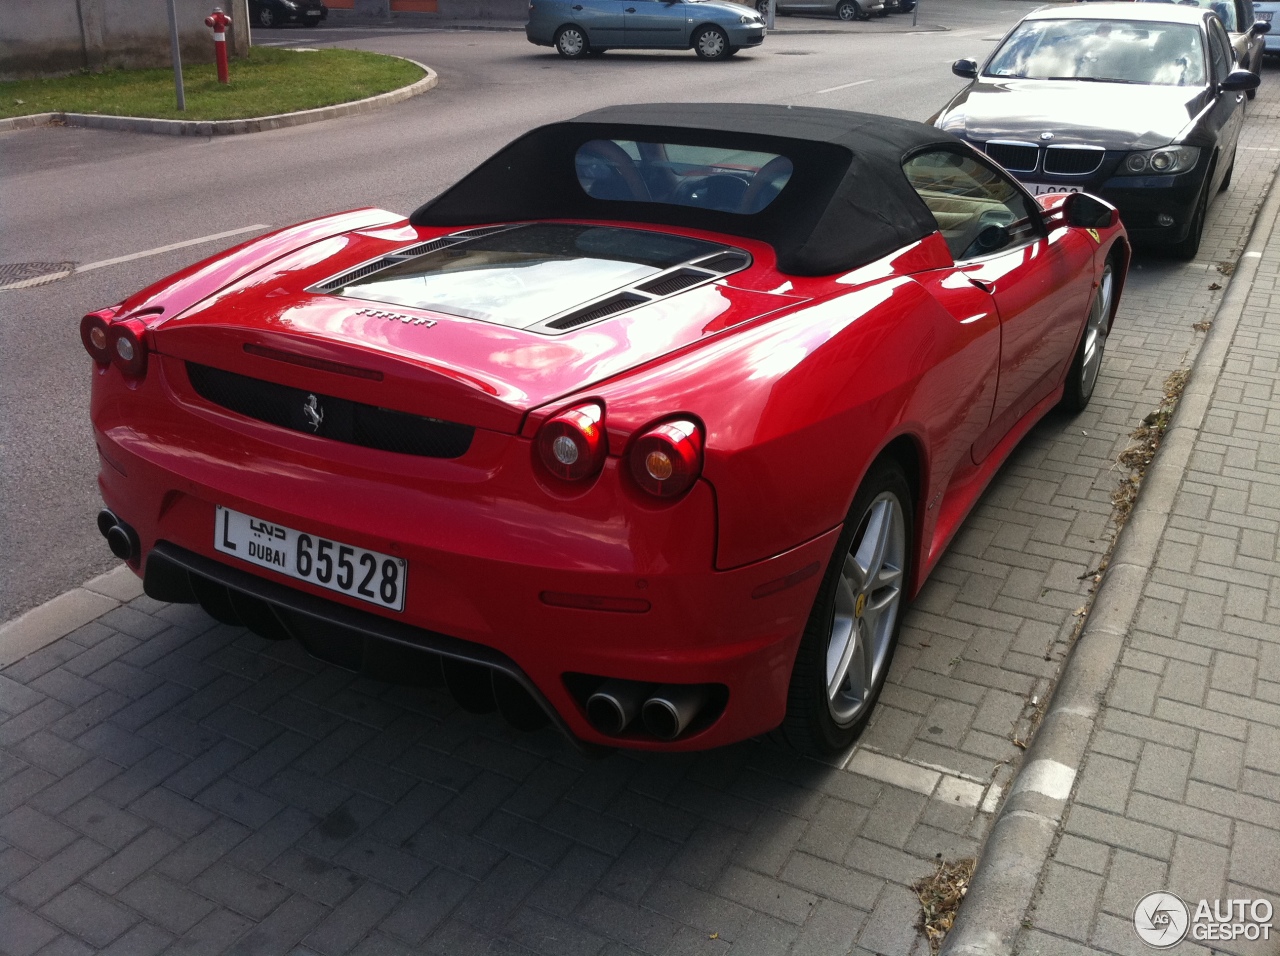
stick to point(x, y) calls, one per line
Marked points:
point(1105, 51)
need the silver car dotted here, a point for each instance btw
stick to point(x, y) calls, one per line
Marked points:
point(714, 29)
point(843, 9)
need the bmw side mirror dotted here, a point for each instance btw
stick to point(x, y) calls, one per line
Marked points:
point(966, 68)
point(1238, 81)
point(1260, 27)
point(1087, 212)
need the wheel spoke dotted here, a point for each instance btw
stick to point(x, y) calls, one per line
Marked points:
point(870, 555)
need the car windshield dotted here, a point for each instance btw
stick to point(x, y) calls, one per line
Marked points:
point(1105, 51)
point(707, 177)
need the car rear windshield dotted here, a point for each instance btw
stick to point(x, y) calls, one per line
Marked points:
point(1107, 51)
point(705, 177)
point(524, 275)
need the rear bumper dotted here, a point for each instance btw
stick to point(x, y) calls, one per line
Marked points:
point(484, 545)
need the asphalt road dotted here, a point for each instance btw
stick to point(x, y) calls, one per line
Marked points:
point(90, 196)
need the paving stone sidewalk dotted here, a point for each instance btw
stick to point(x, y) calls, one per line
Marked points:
point(1180, 788)
point(170, 784)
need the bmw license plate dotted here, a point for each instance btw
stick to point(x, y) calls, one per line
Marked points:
point(1044, 189)
point(356, 572)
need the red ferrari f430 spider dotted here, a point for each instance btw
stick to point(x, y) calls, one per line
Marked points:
point(650, 426)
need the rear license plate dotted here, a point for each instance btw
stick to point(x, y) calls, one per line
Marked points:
point(313, 13)
point(1263, 15)
point(356, 572)
point(1044, 189)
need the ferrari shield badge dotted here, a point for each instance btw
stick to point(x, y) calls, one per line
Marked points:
point(1094, 233)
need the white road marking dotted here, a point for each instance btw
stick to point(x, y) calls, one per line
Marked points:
point(843, 86)
point(1263, 149)
point(169, 248)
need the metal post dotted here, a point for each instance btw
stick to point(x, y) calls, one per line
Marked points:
point(769, 18)
point(177, 57)
point(915, 12)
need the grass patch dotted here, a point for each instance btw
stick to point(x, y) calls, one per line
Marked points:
point(270, 80)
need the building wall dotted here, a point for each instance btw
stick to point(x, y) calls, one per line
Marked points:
point(56, 37)
point(440, 9)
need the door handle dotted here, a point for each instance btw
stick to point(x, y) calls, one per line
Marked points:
point(986, 285)
point(631, 9)
point(577, 6)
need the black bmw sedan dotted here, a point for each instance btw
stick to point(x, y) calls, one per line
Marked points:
point(1140, 104)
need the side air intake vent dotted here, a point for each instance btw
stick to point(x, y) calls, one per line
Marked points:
point(597, 310)
point(673, 282)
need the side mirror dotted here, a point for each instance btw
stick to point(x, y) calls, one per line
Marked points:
point(1238, 81)
point(1260, 27)
point(966, 68)
point(1088, 212)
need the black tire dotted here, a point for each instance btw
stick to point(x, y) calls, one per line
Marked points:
point(266, 16)
point(812, 724)
point(711, 43)
point(848, 11)
point(1082, 377)
point(571, 42)
point(1188, 247)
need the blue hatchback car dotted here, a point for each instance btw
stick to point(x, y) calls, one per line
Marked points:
point(714, 29)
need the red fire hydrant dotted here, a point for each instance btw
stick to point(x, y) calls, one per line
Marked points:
point(219, 22)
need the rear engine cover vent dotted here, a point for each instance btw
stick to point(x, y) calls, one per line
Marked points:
point(597, 310)
point(725, 262)
point(673, 282)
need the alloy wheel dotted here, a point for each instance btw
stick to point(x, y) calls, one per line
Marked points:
point(1095, 332)
point(867, 602)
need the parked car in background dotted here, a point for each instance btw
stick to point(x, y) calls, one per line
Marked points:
point(273, 13)
point(1139, 103)
point(649, 427)
point(1244, 26)
point(842, 9)
point(1267, 11)
point(714, 29)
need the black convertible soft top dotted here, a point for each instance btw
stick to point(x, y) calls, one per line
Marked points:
point(847, 202)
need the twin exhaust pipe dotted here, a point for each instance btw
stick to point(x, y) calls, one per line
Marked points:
point(121, 539)
point(666, 711)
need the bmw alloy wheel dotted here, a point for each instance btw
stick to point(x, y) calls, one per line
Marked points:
point(867, 602)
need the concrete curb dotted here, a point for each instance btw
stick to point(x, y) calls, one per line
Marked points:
point(135, 124)
point(1021, 837)
point(59, 617)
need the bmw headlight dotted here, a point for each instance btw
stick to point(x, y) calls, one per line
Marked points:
point(1169, 159)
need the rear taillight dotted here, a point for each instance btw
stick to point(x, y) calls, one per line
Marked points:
point(93, 333)
point(666, 459)
point(127, 345)
point(572, 445)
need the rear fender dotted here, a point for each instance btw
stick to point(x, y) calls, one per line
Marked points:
point(177, 293)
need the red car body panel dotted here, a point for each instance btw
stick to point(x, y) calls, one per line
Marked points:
point(800, 384)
